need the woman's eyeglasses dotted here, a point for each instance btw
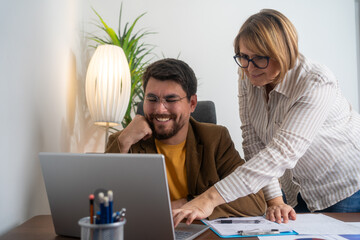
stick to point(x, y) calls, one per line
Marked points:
point(258, 61)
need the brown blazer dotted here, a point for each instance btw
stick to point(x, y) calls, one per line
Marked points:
point(210, 157)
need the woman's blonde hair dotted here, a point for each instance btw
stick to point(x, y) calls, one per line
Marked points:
point(270, 33)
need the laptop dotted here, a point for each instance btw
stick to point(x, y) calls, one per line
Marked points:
point(138, 182)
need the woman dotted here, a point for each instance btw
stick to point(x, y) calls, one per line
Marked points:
point(296, 126)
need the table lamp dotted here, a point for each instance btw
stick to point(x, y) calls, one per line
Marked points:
point(107, 87)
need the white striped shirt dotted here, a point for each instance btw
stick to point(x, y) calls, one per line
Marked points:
point(306, 133)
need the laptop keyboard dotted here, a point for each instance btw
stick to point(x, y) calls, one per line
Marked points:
point(180, 235)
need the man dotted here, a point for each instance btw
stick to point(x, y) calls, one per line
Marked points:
point(197, 155)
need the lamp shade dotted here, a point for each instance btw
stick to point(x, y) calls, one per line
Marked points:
point(108, 85)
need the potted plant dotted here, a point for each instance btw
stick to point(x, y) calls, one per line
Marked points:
point(136, 51)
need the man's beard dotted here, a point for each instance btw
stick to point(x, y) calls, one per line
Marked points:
point(165, 135)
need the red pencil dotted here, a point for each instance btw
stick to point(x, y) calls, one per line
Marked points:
point(91, 198)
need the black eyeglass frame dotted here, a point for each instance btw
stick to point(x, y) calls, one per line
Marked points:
point(167, 99)
point(252, 60)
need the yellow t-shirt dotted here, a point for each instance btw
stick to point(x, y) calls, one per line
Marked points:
point(175, 168)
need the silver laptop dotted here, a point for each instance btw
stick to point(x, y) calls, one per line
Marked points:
point(138, 182)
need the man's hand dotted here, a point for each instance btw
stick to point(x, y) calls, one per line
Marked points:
point(278, 211)
point(178, 203)
point(199, 208)
point(137, 129)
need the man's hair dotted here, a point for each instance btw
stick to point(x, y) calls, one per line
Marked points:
point(173, 70)
point(270, 33)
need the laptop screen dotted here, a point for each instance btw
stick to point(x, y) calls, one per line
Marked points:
point(138, 182)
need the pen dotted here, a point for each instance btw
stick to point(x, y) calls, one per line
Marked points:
point(257, 232)
point(119, 216)
point(97, 219)
point(105, 214)
point(91, 198)
point(102, 207)
point(229, 221)
point(110, 196)
point(122, 214)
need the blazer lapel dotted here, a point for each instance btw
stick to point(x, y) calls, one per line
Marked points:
point(194, 155)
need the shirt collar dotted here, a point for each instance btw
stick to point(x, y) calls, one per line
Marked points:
point(284, 87)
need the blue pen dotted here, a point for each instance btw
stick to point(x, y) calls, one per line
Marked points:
point(102, 207)
point(110, 196)
point(106, 210)
point(97, 219)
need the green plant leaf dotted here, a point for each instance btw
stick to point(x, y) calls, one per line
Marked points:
point(109, 30)
point(136, 51)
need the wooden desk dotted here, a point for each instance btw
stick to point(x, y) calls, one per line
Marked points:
point(41, 228)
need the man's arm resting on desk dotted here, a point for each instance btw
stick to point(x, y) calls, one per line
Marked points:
point(199, 208)
point(178, 203)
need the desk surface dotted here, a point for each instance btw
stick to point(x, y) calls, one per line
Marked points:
point(41, 228)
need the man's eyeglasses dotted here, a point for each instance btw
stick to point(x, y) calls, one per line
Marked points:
point(167, 101)
point(258, 61)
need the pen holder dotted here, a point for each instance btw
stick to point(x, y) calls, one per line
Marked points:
point(109, 231)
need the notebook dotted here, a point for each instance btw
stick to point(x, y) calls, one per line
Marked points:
point(138, 182)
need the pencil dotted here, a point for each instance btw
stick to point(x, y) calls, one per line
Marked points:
point(91, 198)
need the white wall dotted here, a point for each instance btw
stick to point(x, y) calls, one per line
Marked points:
point(357, 20)
point(44, 56)
point(202, 32)
point(41, 100)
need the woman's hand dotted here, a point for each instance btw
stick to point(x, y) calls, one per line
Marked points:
point(199, 208)
point(278, 211)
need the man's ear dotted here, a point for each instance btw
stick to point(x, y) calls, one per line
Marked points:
point(193, 102)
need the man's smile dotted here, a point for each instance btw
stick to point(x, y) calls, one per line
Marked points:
point(162, 119)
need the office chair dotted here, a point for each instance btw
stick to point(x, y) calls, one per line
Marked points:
point(204, 111)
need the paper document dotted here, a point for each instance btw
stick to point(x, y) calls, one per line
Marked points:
point(247, 226)
point(302, 237)
point(320, 224)
point(355, 224)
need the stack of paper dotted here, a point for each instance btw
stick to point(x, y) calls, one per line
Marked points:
point(319, 226)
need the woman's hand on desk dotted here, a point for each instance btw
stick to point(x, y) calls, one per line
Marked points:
point(278, 211)
point(199, 208)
